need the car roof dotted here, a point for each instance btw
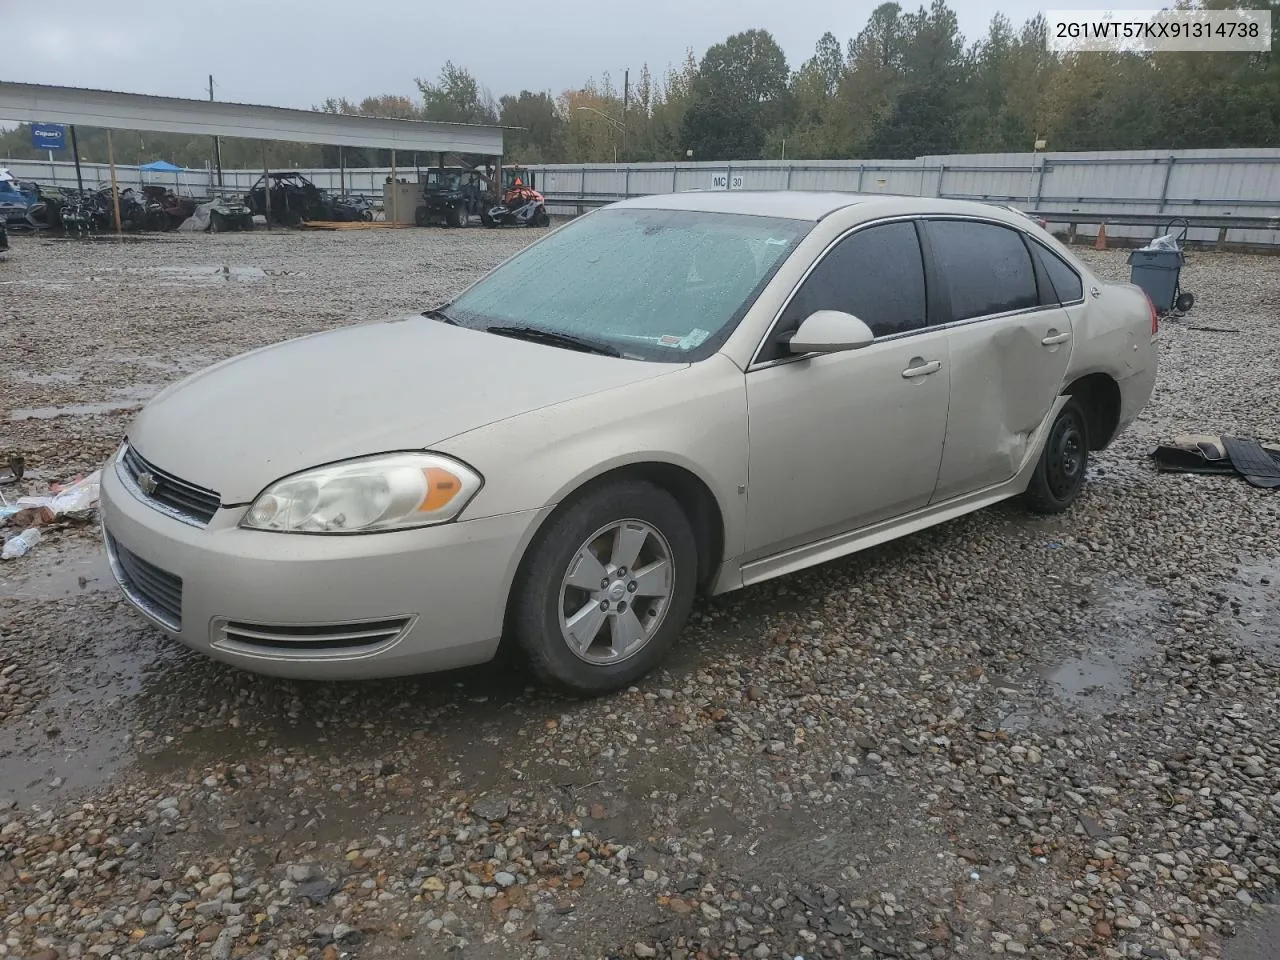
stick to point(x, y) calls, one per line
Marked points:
point(813, 205)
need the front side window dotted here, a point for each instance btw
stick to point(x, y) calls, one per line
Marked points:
point(660, 285)
point(987, 268)
point(876, 274)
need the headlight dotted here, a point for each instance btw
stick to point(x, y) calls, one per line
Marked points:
point(389, 492)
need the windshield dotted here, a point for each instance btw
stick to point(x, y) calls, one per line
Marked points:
point(664, 285)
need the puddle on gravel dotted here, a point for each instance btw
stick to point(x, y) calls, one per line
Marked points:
point(44, 379)
point(1102, 673)
point(127, 399)
point(50, 572)
point(225, 273)
point(1255, 606)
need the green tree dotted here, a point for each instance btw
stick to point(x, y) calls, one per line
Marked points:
point(542, 135)
point(456, 97)
point(739, 94)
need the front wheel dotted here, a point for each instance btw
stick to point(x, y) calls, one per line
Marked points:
point(1059, 476)
point(606, 588)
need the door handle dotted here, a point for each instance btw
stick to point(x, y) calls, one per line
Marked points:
point(922, 369)
point(1054, 338)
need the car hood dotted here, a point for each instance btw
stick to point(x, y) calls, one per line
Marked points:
point(406, 384)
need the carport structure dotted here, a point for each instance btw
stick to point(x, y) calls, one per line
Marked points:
point(39, 103)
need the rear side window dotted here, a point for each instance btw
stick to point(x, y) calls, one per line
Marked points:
point(987, 267)
point(1067, 285)
point(876, 274)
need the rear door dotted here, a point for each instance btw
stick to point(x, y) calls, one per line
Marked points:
point(1010, 345)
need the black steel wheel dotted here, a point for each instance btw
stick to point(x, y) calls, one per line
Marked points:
point(1184, 302)
point(1060, 473)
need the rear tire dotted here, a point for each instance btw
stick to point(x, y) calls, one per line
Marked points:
point(1060, 473)
point(542, 218)
point(572, 613)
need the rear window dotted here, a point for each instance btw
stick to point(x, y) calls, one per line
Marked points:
point(1067, 285)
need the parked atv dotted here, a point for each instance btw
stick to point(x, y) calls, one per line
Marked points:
point(443, 199)
point(294, 198)
point(226, 215)
point(166, 209)
point(521, 206)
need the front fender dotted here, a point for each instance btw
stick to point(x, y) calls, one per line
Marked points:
point(694, 418)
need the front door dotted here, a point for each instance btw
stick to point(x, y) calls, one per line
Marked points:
point(1010, 343)
point(843, 440)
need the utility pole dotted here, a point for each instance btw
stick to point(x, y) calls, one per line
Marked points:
point(626, 99)
point(217, 144)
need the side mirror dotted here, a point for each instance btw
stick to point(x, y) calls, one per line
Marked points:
point(830, 331)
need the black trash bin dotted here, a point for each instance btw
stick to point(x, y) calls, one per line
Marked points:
point(1156, 272)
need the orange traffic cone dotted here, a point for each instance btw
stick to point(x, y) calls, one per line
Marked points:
point(1101, 242)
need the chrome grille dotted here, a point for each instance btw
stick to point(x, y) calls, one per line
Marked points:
point(156, 591)
point(185, 500)
point(313, 637)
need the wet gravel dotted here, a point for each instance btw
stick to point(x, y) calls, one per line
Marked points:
point(1009, 735)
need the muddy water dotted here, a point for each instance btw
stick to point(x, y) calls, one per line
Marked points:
point(125, 398)
point(1101, 674)
point(1255, 606)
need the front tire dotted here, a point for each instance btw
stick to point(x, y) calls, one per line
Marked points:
point(605, 589)
point(1060, 474)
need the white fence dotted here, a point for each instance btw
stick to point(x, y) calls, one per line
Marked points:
point(1220, 183)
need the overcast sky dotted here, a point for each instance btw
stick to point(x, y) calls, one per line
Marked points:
point(259, 53)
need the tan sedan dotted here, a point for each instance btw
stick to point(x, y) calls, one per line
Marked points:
point(670, 395)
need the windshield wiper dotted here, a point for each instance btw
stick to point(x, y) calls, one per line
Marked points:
point(441, 316)
point(554, 338)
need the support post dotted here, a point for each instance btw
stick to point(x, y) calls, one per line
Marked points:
point(115, 190)
point(393, 187)
point(266, 186)
point(217, 142)
point(1164, 189)
point(75, 153)
point(342, 170)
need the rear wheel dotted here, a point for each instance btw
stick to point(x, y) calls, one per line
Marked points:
point(1184, 302)
point(421, 217)
point(1059, 476)
point(606, 588)
point(541, 218)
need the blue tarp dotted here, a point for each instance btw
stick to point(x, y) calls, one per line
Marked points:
point(162, 165)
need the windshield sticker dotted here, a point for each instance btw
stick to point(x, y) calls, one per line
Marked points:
point(694, 338)
point(777, 241)
point(670, 340)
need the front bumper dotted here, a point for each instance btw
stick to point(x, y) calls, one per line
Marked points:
point(317, 606)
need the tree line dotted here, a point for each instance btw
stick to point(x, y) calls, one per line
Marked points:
point(908, 84)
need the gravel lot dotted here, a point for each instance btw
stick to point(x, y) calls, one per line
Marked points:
point(1051, 737)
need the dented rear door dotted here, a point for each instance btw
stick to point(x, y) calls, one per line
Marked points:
point(1010, 345)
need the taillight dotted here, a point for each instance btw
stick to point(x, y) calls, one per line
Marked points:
point(1155, 316)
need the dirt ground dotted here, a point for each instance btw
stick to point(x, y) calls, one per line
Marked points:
point(1056, 737)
